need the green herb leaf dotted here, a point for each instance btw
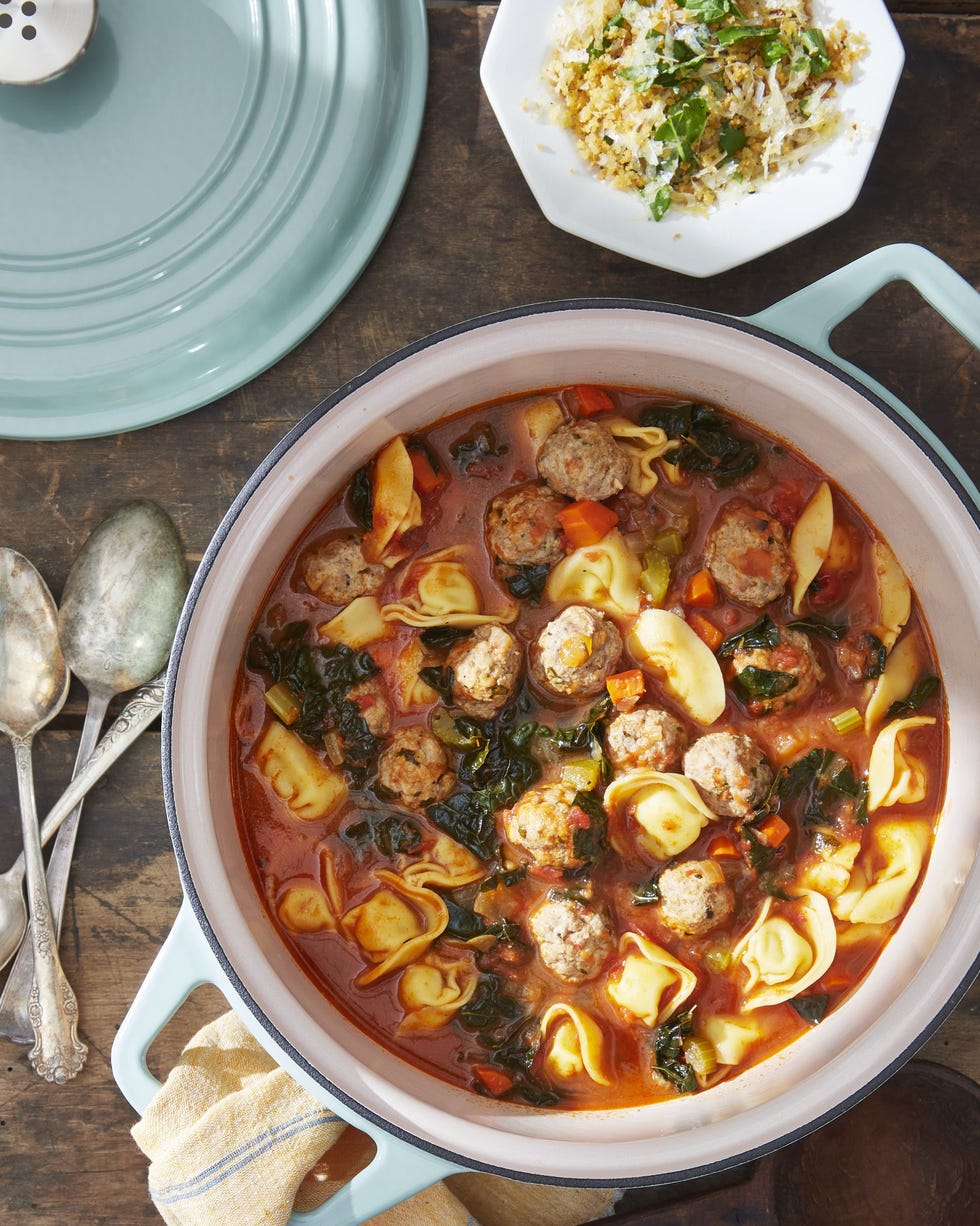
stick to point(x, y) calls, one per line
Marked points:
point(731, 139)
point(923, 689)
point(815, 47)
point(811, 1008)
point(646, 892)
point(321, 678)
point(821, 626)
point(710, 10)
point(660, 205)
point(361, 497)
point(589, 842)
point(773, 51)
point(683, 126)
point(762, 633)
point(527, 583)
point(709, 443)
point(758, 684)
point(475, 446)
point(440, 637)
point(736, 34)
point(668, 1057)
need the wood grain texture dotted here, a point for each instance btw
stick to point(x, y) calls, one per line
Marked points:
point(467, 239)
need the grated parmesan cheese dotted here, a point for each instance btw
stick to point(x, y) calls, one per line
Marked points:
point(691, 102)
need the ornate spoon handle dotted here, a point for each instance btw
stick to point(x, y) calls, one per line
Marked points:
point(58, 1054)
point(139, 712)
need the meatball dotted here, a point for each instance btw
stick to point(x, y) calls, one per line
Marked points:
point(486, 666)
point(549, 827)
point(731, 772)
point(372, 705)
point(583, 460)
point(576, 652)
point(338, 572)
point(414, 768)
point(747, 552)
point(645, 738)
point(794, 656)
point(523, 527)
point(694, 897)
point(574, 940)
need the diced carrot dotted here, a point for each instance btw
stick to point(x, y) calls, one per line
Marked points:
point(701, 589)
point(592, 400)
point(722, 848)
point(586, 523)
point(626, 687)
point(427, 479)
point(772, 830)
point(707, 631)
point(492, 1079)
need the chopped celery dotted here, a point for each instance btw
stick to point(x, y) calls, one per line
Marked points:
point(847, 721)
point(669, 542)
point(718, 958)
point(283, 703)
point(584, 774)
point(655, 576)
point(700, 1054)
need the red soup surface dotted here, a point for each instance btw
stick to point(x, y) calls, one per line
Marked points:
point(588, 747)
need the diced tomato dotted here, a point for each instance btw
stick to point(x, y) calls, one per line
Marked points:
point(493, 1080)
point(586, 523)
point(826, 589)
point(701, 589)
point(786, 502)
point(592, 400)
point(578, 819)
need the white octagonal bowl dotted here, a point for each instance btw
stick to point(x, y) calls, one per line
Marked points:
point(575, 199)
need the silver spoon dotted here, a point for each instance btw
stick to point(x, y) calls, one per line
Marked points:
point(119, 611)
point(33, 688)
point(137, 715)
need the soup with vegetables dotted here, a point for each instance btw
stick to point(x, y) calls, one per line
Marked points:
point(588, 747)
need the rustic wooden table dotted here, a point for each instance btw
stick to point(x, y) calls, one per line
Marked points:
point(467, 239)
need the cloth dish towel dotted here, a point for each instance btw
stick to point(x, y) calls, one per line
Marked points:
point(231, 1137)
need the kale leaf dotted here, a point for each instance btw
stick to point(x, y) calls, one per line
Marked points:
point(668, 1051)
point(527, 582)
point(475, 446)
point(756, 684)
point(760, 634)
point(322, 678)
point(923, 689)
point(709, 444)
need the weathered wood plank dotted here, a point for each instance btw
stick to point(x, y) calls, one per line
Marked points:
point(467, 239)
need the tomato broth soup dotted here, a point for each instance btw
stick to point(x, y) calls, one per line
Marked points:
point(588, 747)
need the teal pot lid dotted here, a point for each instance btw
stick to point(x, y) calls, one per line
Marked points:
point(192, 198)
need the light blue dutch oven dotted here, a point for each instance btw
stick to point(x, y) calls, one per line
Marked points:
point(776, 368)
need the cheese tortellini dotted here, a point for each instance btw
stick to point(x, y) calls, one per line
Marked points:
point(573, 1043)
point(395, 507)
point(434, 988)
point(667, 809)
point(895, 777)
point(310, 788)
point(644, 445)
point(884, 876)
point(810, 541)
point(442, 592)
point(604, 576)
point(684, 664)
point(787, 952)
point(651, 983)
point(395, 925)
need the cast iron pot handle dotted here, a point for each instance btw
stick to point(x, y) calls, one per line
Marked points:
point(184, 963)
point(810, 315)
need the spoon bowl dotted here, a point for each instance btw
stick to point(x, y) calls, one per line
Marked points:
point(33, 688)
point(118, 614)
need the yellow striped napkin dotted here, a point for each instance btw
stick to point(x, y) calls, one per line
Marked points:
point(232, 1138)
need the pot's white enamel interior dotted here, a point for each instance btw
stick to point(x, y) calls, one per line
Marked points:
point(900, 490)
